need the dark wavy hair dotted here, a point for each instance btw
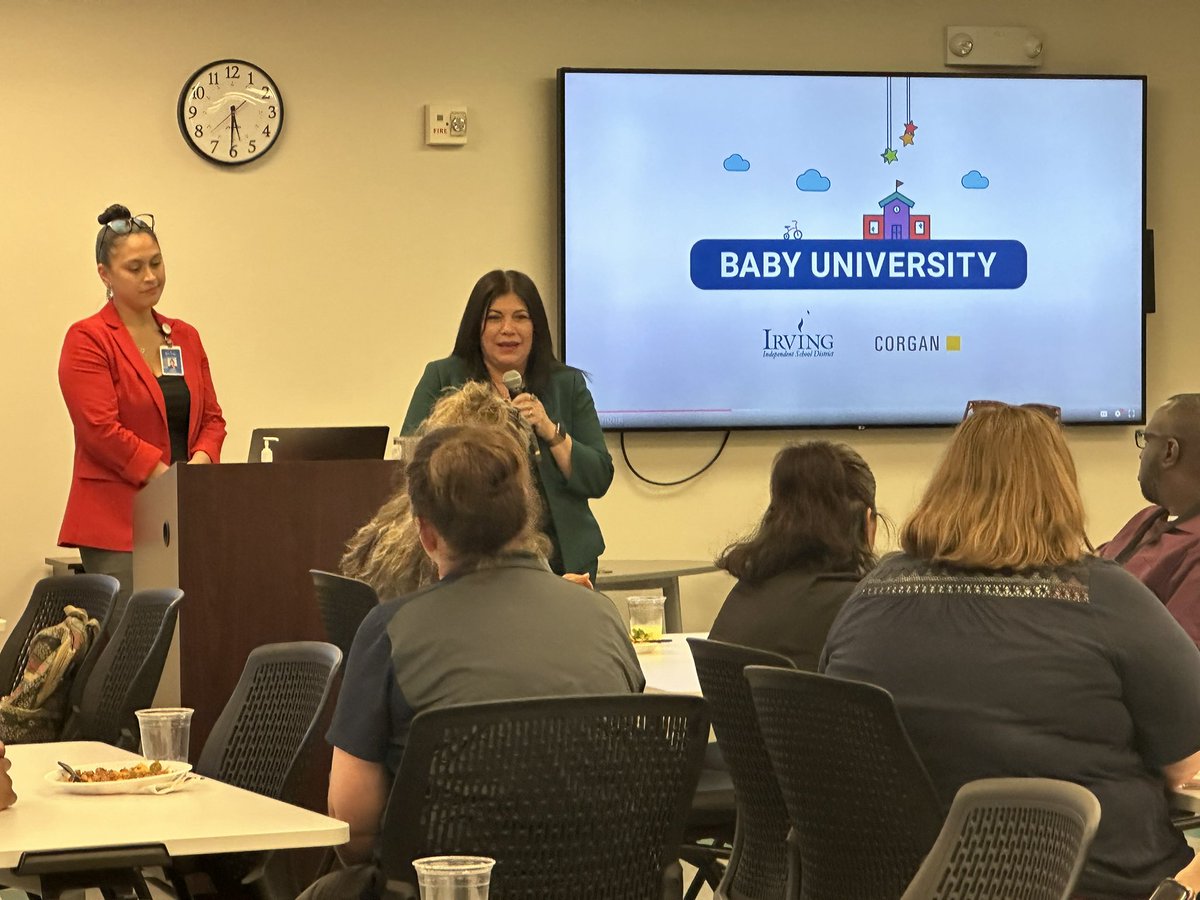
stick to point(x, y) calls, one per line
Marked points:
point(471, 482)
point(487, 290)
point(816, 520)
point(106, 238)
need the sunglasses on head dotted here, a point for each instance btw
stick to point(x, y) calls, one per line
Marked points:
point(144, 221)
point(974, 406)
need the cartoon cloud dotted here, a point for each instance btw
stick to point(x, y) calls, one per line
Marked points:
point(736, 163)
point(812, 180)
point(974, 181)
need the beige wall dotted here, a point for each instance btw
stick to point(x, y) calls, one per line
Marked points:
point(323, 278)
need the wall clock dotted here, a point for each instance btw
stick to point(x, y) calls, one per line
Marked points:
point(230, 112)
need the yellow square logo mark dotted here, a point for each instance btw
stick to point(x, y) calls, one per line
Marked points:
point(953, 342)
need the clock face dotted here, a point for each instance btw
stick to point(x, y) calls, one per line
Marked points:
point(230, 112)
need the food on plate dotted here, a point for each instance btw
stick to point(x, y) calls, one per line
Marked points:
point(141, 770)
point(642, 633)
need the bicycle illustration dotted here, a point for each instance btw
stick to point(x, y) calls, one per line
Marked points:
point(793, 231)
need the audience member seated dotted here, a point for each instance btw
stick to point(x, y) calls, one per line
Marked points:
point(814, 543)
point(1161, 544)
point(498, 625)
point(7, 796)
point(1012, 651)
point(386, 553)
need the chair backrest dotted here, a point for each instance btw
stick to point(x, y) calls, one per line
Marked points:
point(762, 861)
point(581, 797)
point(267, 722)
point(1010, 837)
point(344, 603)
point(862, 808)
point(126, 674)
point(50, 597)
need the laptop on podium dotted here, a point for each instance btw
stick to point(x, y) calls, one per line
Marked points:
point(332, 442)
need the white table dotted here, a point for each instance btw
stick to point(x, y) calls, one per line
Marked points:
point(668, 667)
point(204, 817)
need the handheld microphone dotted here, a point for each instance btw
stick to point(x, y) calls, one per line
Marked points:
point(514, 382)
point(516, 386)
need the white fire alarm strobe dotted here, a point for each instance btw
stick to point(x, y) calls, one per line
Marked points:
point(445, 123)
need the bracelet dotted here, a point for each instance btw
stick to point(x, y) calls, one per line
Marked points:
point(559, 436)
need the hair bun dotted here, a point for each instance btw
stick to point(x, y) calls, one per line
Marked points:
point(114, 212)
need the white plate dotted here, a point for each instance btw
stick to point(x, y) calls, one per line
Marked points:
point(60, 779)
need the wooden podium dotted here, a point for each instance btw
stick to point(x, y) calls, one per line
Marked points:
point(239, 540)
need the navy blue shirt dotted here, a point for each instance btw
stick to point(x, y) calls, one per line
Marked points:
point(1077, 673)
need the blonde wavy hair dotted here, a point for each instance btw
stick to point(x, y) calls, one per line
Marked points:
point(1005, 495)
point(386, 553)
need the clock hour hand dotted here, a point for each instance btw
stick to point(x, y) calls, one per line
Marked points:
point(233, 125)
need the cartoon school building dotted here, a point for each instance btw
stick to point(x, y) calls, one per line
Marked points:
point(897, 223)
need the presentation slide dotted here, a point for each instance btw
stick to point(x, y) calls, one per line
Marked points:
point(774, 250)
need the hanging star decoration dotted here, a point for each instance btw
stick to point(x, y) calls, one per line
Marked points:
point(906, 139)
point(909, 134)
point(889, 156)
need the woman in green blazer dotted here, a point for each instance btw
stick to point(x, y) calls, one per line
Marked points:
point(504, 329)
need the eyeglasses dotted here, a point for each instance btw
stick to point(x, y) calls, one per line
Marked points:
point(1142, 436)
point(974, 406)
point(143, 221)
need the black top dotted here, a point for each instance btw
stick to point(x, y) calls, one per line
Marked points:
point(788, 614)
point(1077, 673)
point(178, 399)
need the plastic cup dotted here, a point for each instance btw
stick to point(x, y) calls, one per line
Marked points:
point(646, 616)
point(454, 877)
point(165, 733)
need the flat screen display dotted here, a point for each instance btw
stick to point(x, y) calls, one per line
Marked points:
point(783, 250)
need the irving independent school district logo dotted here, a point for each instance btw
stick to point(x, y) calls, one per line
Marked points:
point(798, 343)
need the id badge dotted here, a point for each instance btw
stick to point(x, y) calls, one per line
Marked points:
point(171, 359)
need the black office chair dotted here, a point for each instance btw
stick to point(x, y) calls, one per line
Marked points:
point(50, 597)
point(580, 797)
point(862, 810)
point(344, 603)
point(1010, 837)
point(763, 864)
point(126, 675)
point(257, 742)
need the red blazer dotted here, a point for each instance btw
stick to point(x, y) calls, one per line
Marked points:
point(120, 423)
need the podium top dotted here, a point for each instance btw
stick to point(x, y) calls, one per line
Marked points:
point(332, 442)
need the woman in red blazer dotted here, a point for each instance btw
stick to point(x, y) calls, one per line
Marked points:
point(139, 392)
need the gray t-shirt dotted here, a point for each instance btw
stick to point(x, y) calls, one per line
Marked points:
point(1076, 673)
point(506, 631)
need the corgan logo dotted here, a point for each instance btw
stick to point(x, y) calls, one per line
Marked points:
point(796, 344)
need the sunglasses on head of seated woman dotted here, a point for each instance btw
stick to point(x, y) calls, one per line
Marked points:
point(974, 406)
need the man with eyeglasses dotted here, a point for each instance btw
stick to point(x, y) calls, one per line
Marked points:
point(1161, 544)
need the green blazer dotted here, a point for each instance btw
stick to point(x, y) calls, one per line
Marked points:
point(567, 400)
